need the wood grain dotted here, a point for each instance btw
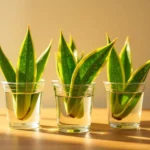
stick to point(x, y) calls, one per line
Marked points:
point(101, 136)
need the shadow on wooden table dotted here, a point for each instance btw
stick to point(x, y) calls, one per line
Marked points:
point(48, 137)
point(104, 132)
point(145, 124)
point(33, 140)
point(17, 142)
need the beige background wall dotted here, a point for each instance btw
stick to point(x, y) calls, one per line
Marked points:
point(87, 21)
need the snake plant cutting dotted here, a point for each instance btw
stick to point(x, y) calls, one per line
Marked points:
point(29, 70)
point(75, 70)
point(119, 70)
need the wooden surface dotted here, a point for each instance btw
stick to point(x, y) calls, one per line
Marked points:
point(102, 137)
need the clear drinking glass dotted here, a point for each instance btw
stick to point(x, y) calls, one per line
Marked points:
point(124, 103)
point(23, 102)
point(73, 106)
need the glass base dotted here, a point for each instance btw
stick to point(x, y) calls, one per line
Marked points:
point(73, 129)
point(24, 126)
point(124, 125)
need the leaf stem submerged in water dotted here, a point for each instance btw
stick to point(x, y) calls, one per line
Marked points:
point(83, 72)
point(28, 72)
point(120, 75)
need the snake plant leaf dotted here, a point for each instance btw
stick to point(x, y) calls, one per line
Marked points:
point(7, 68)
point(140, 74)
point(115, 74)
point(120, 71)
point(41, 64)
point(90, 66)
point(126, 109)
point(115, 71)
point(130, 102)
point(85, 73)
point(81, 56)
point(42, 61)
point(72, 45)
point(34, 99)
point(65, 61)
point(26, 66)
point(73, 48)
point(26, 72)
point(125, 57)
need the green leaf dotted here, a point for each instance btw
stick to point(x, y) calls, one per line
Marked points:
point(85, 73)
point(34, 99)
point(72, 45)
point(125, 57)
point(126, 109)
point(140, 74)
point(81, 56)
point(24, 98)
point(115, 70)
point(26, 72)
point(42, 61)
point(26, 69)
point(129, 102)
point(90, 66)
point(8, 72)
point(73, 48)
point(119, 71)
point(65, 61)
point(115, 74)
point(7, 68)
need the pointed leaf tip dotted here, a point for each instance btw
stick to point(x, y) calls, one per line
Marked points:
point(108, 39)
point(61, 33)
point(70, 36)
point(42, 61)
point(50, 43)
point(127, 40)
point(113, 42)
point(28, 33)
point(28, 29)
point(62, 36)
point(106, 34)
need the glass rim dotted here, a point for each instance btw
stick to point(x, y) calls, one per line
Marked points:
point(57, 82)
point(22, 83)
point(119, 83)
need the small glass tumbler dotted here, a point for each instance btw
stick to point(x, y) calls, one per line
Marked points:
point(73, 106)
point(23, 103)
point(124, 103)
